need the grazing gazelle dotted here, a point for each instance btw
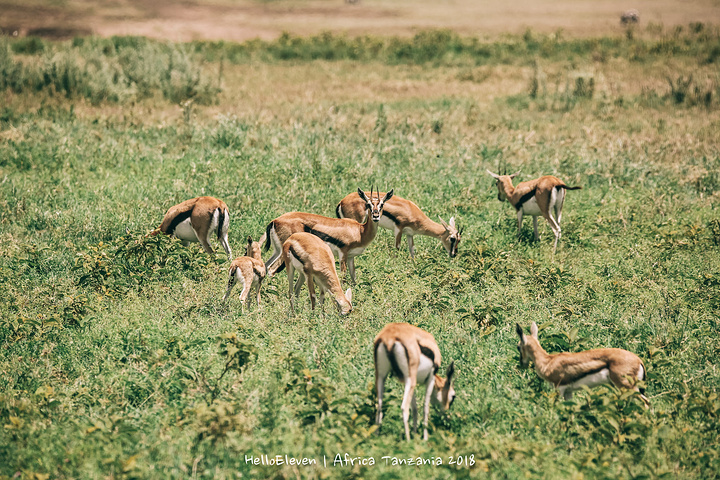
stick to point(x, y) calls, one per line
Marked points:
point(249, 270)
point(196, 220)
point(570, 371)
point(348, 238)
point(403, 216)
point(314, 261)
point(542, 196)
point(413, 357)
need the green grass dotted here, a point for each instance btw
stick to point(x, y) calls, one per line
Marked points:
point(118, 360)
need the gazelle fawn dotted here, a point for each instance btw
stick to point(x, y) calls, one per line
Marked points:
point(249, 271)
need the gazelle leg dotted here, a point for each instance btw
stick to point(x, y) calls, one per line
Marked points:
point(411, 245)
point(426, 412)
point(407, 398)
point(535, 228)
point(311, 289)
point(519, 222)
point(231, 284)
point(245, 291)
point(351, 268)
point(259, 284)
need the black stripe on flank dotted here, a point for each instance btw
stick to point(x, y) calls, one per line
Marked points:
point(390, 216)
point(429, 354)
point(524, 199)
point(221, 220)
point(294, 254)
point(337, 211)
point(567, 381)
point(325, 237)
point(181, 217)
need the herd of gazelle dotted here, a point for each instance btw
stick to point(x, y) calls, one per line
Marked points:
point(306, 242)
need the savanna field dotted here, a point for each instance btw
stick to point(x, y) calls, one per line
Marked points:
point(118, 359)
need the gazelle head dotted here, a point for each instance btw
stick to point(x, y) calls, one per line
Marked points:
point(344, 307)
point(252, 249)
point(452, 236)
point(374, 204)
point(443, 392)
point(503, 183)
point(523, 346)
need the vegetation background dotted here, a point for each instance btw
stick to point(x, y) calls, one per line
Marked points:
point(118, 360)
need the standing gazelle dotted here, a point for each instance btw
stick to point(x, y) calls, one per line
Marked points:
point(413, 357)
point(249, 270)
point(403, 216)
point(314, 261)
point(348, 238)
point(196, 220)
point(541, 196)
point(570, 371)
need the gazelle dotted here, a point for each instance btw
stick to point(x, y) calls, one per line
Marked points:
point(348, 238)
point(249, 270)
point(315, 262)
point(197, 220)
point(413, 357)
point(541, 196)
point(403, 216)
point(570, 371)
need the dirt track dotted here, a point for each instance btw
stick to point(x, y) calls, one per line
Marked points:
point(240, 20)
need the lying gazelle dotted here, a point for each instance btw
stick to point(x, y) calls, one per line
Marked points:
point(197, 220)
point(348, 238)
point(541, 196)
point(249, 271)
point(413, 357)
point(570, 371)
point(314, 261)
point(403, 216)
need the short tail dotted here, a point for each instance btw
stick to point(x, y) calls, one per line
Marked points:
point(338, 211)
point(221, 222)
point(266, 247)
point(569, 188)
point(644, 378)
point(279, 268)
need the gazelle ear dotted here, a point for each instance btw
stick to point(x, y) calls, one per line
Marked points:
point(515, 174)
point(348, 295)
point(452, 222)
point(534, 330)
point(519, 331)
point(388, 195)
point(249, 240)
point(443, 223)
point(494, 175)
point(362, 195)
point(449, 374)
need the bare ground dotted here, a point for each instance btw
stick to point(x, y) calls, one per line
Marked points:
point(239, 20)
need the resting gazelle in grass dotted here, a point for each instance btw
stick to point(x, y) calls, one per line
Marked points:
point(542, 196)
point(345, 237)
point(314, 261)
point(570, 371)
point(198, 220)
point(403, 216)
point(413, 357)
point(249, 271)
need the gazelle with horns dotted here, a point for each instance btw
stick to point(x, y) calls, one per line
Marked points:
point(570, 371)
point(413, 357)
point(314, 261)
point(249, 271)
point(197, 220)
point(347, 238)
point(403, 216)
point(542, 196)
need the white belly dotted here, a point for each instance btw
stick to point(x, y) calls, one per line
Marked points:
point(354, 252)
point(425, 370)
point(185, 232)
point(386, 223)
point(599, 378)
point(531, 207)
